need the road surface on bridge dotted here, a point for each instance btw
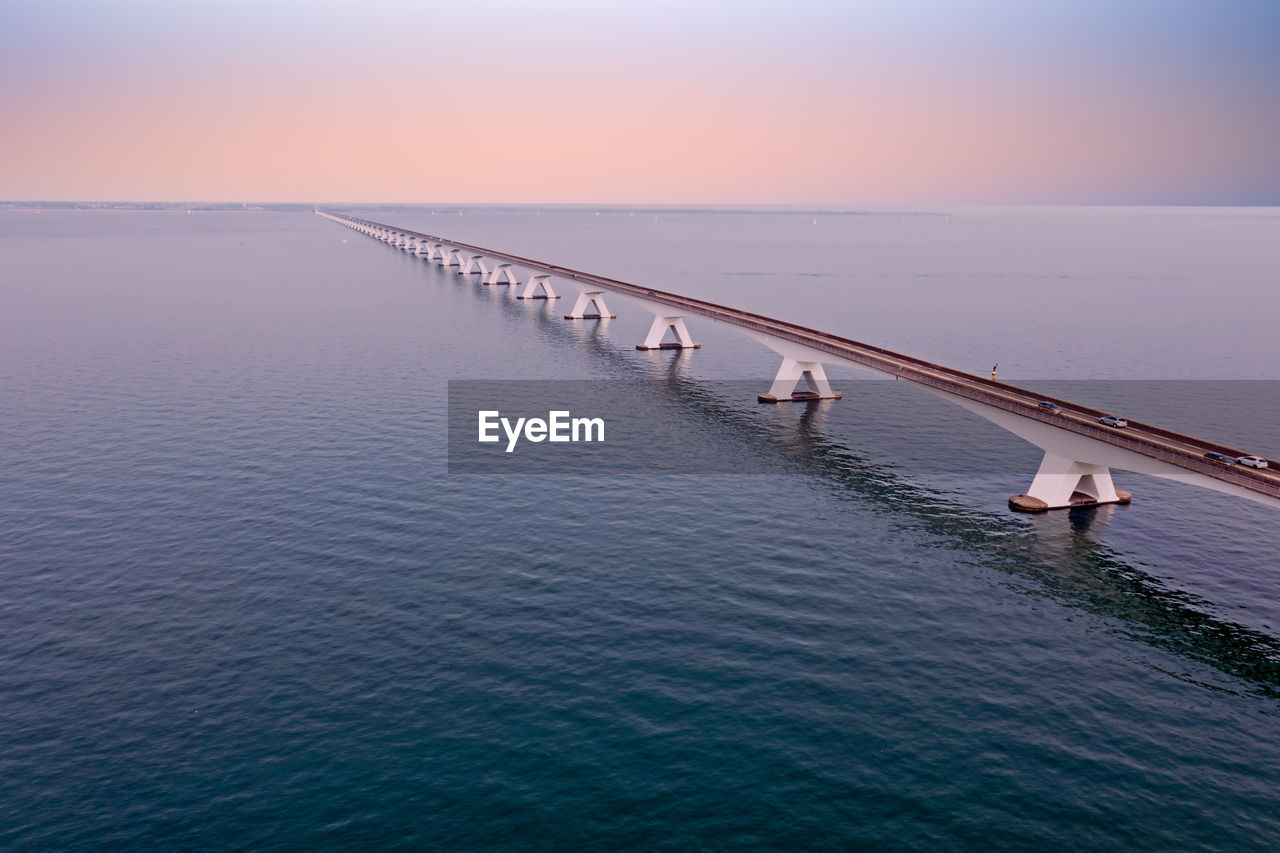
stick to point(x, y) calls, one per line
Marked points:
point(1178, 449)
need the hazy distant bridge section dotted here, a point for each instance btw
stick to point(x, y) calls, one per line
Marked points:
point(1079, 450)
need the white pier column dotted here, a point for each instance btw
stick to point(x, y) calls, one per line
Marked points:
point(454, 258)
point(789, 375)
point(659, 329)
point(498, 272)
point(475, 261)
point(1064, 482)
point(586, 300)
point(535, 282)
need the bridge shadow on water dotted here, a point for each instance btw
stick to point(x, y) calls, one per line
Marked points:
point(1058, 555)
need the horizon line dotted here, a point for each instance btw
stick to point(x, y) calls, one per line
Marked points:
point(816, 206)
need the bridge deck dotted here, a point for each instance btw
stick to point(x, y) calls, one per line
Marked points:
point(1178, 449)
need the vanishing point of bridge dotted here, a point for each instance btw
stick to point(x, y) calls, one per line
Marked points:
point(1079, 452)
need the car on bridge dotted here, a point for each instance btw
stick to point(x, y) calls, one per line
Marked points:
point(1113, 421)
point(1252, 461)
point(1219, 457)
point(1050, 407)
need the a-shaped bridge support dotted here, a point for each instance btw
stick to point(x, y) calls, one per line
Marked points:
point(659, 329)
point(536, 282)
point(1063, 482)
point(475, 263)
point(499, 272)
point(583, 309)
point(789, 375)
point(453, 258)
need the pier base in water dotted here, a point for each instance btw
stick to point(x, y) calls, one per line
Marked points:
point(590, 301)
point(659, 329)
point(1026, 503)
point(791, 374)
point(1064, 483)
point(539, 283)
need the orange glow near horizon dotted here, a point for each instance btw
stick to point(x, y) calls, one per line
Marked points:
point(550, 126)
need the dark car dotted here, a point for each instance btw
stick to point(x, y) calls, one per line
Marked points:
point(1220, 457)
point(1050, 407)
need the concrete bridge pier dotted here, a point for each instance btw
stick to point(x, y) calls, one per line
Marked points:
point(586, 300)
point(499, 272)
point(453, 258)
point(1063, 482)
point(475, 261)
point(659, 329)
point(790, 374)
point(536, 282)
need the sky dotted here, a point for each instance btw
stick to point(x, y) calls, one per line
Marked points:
point(805, 102)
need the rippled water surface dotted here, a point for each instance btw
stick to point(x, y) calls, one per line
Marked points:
point(246, 603)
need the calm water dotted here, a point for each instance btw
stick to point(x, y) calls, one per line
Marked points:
point(244, 604)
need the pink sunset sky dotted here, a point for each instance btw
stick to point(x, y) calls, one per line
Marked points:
point(803, 102)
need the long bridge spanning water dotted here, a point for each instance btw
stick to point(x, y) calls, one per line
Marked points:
point(1079, 451)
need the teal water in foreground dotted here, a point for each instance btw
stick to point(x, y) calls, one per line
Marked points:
point(245, 605)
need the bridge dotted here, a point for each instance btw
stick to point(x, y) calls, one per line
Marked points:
point(1079, 451)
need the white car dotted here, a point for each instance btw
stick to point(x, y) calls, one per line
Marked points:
point(1251, 461)
point(1113, 421)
